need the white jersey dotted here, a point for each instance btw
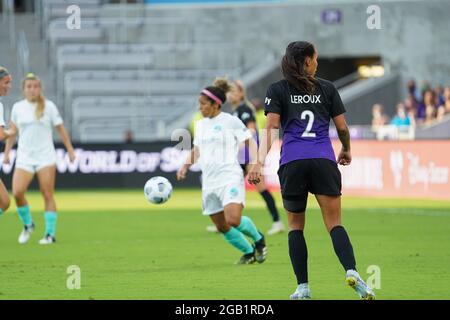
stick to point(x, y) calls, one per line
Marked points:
point(218, 140)
point(35, 144)
point(2, 115)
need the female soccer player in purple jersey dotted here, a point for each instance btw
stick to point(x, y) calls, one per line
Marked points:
point(303, 106)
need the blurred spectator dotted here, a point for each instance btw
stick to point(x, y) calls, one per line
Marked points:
point(379, 118)
point(439, 92)
point(401, 118)
point(411, 104)
point(430, 115)
point(412, 89)
point(425, 87)
point(444, 109)
point(427, 109)
point(129, 137)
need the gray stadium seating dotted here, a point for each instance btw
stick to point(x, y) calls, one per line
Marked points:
point(106, 119)
point(145, 56)
point(125, 82)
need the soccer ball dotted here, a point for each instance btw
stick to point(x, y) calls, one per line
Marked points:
point(158, 190)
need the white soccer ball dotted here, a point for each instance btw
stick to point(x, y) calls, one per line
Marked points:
point(158, 190)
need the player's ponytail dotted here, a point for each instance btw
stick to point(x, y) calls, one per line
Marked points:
point(239, 85)
point(40, 100)
point(217, 93)
point(293, 65)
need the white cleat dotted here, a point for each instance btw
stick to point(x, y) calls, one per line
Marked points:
point(212, 229)
point(302, 292)
point(26, 234)
point(277, 227)
point(48, 239)
point(362, 289)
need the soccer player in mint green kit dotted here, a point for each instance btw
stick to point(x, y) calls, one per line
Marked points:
point(5, 87)
point(218, 137)
point(33, 118)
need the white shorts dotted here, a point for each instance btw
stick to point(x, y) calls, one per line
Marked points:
point(34, 162)
point(215, 200)
point(33, 168)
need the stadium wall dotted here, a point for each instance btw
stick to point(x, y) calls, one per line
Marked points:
point(412, 169)
point(413, 37)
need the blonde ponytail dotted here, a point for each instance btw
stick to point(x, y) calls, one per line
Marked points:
point(40, 106)
point(239, 85)
point(40, 101)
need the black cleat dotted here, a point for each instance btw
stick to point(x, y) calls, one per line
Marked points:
point(247, 259)
point(261, 249)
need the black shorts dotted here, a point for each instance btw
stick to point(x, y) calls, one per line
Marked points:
point(297, 178)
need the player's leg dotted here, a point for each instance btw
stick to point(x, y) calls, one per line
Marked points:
point(233, 202)
point(294, 191)
point(4, 198)
point(213, 207)
point(277, 226)
point(234, 237)
point(325, 183)
point(20, 183)
point(46, 177)
point(298, 250)
point(331, 211)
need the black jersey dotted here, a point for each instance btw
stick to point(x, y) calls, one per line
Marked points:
point(305, 119)
point(245, 113)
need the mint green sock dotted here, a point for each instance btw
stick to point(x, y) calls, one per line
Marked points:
point(25, 215)
point(50, 223)
point(237, 240)
point(1, 212)
point(248, 228)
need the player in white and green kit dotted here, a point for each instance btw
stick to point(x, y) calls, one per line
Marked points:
point(218, 137)
point(34, 118)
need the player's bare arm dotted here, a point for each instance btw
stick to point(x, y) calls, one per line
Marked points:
point(190, 161)
point(66, 141)
point(345, 157)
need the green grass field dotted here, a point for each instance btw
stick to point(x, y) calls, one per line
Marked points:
point(129, 249)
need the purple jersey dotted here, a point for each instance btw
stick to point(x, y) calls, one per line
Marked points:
point(246, 115)
point(305, 119)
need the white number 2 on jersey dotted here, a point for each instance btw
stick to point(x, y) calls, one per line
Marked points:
point(307, 133)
